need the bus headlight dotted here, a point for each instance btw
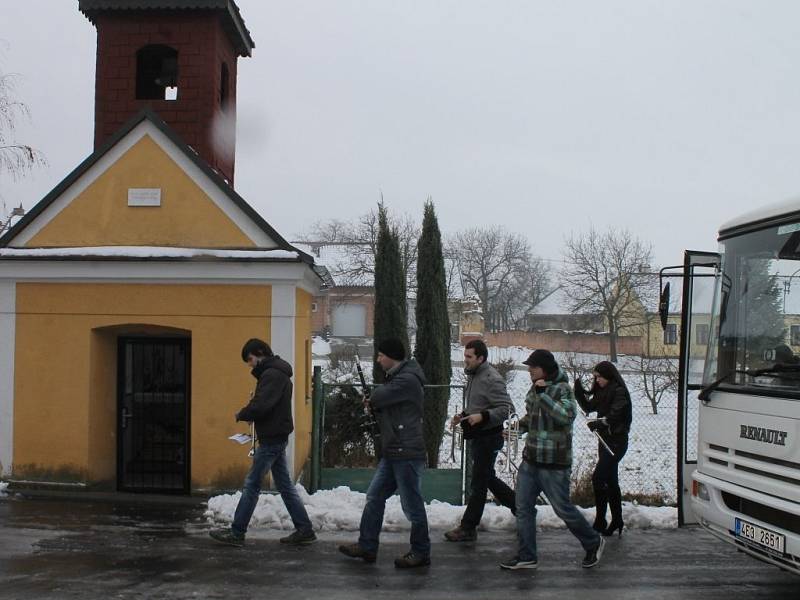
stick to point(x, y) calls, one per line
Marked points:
point(700, 491)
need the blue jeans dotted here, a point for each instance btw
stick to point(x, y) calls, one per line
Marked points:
point(270, 457)
point(405, 477)
point(531, 481)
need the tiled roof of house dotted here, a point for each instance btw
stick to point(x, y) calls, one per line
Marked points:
point(340, 260)
point(233, 21)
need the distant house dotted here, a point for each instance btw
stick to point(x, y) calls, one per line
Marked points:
point(345, 306)
point(552, 314)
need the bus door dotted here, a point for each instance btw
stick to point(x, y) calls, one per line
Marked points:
point(686, 319)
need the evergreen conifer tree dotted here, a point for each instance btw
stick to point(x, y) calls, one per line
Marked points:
point(432, 349)
point(391, 313)
point(763, 308)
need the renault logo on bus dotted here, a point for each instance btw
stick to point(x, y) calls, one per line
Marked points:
point(762, 434)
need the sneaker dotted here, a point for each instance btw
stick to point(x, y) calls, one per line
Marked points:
point(459, 534)
point(356, 551)
point(515, 563)
point(300, 538)
point(411, 560)
point(593, 556)
point(227, 536)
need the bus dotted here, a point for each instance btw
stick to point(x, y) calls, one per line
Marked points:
point(739, 384)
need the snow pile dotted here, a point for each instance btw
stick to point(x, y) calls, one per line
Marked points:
point(3, 488)
point(340, 510)
point(319, 347)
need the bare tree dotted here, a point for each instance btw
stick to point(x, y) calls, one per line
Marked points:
point(452, 274)
point(529, 286)
point(16, 158)
point(658, 376)
point(360, 237)
point(499, 268)
point(576, 366)
point(608, 274)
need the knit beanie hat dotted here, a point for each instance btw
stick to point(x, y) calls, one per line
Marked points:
point(393, 348)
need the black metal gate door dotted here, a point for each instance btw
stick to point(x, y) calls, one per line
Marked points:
point(153, 415)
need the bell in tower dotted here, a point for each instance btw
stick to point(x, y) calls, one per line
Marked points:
point(179, 62)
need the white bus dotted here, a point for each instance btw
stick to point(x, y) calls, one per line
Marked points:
point(739, 393)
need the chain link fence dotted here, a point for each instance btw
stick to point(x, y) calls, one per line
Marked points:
point(349, 432)
point(647, 472)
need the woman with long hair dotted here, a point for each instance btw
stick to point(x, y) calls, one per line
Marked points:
point(610, 399)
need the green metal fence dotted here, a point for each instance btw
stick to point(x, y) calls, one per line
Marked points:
point(343, 443)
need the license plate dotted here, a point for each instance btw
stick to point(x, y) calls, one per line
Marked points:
point(764, 538)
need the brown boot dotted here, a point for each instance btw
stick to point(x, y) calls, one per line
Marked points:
point(356, 551)
point(459, 534)
point(411, 560)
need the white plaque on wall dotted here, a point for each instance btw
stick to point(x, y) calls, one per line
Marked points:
point(144, 197)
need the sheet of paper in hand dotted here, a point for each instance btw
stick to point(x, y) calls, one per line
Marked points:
point(241, 438)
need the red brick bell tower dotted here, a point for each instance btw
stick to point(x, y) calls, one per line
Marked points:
point(177, 57)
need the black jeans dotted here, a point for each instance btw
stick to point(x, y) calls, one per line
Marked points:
point(484, 452)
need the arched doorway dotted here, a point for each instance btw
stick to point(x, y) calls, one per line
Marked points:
point(153, 400)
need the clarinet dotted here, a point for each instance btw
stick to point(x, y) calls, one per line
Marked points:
point(371, 421)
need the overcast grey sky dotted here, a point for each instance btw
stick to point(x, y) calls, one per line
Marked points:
point(665, 117)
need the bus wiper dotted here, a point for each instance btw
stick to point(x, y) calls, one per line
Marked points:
point(706, 391)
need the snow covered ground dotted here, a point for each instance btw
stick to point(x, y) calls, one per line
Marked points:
point(340, 510)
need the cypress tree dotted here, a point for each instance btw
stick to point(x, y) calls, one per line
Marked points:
point(765, 324)
point(391, 313)
point(433, 330)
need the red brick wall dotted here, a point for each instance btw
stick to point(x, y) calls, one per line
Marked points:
point(320, 317)
point(343, 295)
point(557, 341)
point(202, 46)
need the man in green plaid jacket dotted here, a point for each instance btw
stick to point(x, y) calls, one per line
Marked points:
point(547, 462)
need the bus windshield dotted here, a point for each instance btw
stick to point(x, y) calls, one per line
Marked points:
point(754, 337)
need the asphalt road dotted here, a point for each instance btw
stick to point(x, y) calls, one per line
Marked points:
point(78, 549)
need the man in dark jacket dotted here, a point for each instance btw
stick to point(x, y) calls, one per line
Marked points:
point(397, 406)
point(270, 409)
point(487, 407)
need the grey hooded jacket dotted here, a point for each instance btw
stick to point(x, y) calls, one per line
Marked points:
point(486, 394)
point(397, 405)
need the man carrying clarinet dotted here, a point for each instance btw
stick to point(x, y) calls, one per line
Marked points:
point(397, 405)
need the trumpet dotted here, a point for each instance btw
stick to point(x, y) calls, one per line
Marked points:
point(511, 426)
point(456, 441)
point(252, 452)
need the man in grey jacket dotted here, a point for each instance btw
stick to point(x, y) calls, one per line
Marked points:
point(397, 406)
point(487, 406)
